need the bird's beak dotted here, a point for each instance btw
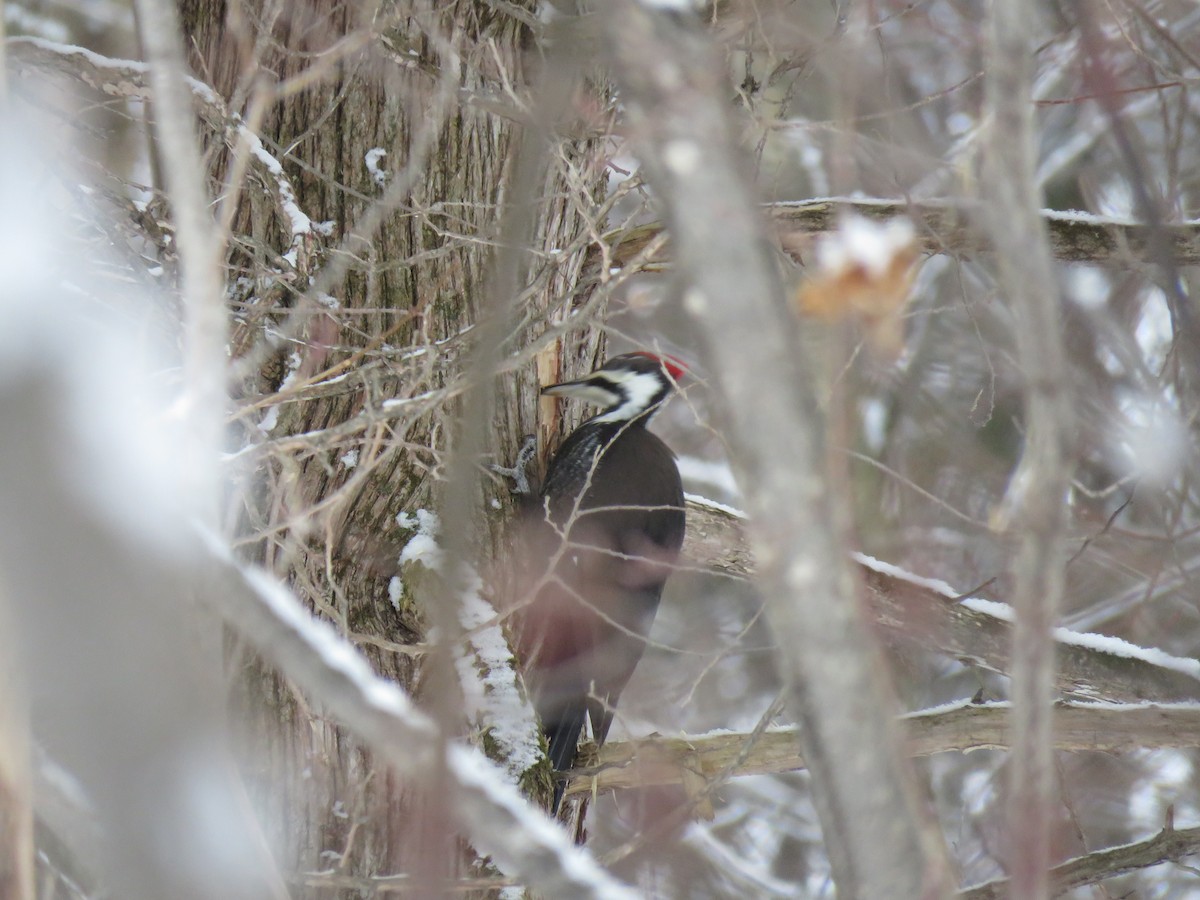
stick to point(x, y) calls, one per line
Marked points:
point(585, 389)
point(563, 389)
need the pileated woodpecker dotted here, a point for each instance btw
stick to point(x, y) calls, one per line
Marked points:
point(600, 546)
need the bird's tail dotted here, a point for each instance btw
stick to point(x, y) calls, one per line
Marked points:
point(562, 736)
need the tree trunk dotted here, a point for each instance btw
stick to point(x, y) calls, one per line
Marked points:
point(340, 82)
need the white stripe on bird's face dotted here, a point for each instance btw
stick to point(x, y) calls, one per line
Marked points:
point(635, 392)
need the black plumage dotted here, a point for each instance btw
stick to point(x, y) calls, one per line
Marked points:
point(600, 545)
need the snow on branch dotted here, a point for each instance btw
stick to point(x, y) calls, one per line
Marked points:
point(317, 658)
point(961, 727)
point(493, 696)
point(945, 227)
point(926, 615)
point(332, 671)
point(127, 78)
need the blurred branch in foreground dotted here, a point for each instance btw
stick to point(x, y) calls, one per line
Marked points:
point(331, 671)
point(880, 837)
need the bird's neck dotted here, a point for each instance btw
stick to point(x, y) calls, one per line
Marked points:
point(610, 418)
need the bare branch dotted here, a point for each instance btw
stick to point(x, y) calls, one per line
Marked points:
point(919, 615)
point(948, 227)
point(1077, 727)
point(1169, 845)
